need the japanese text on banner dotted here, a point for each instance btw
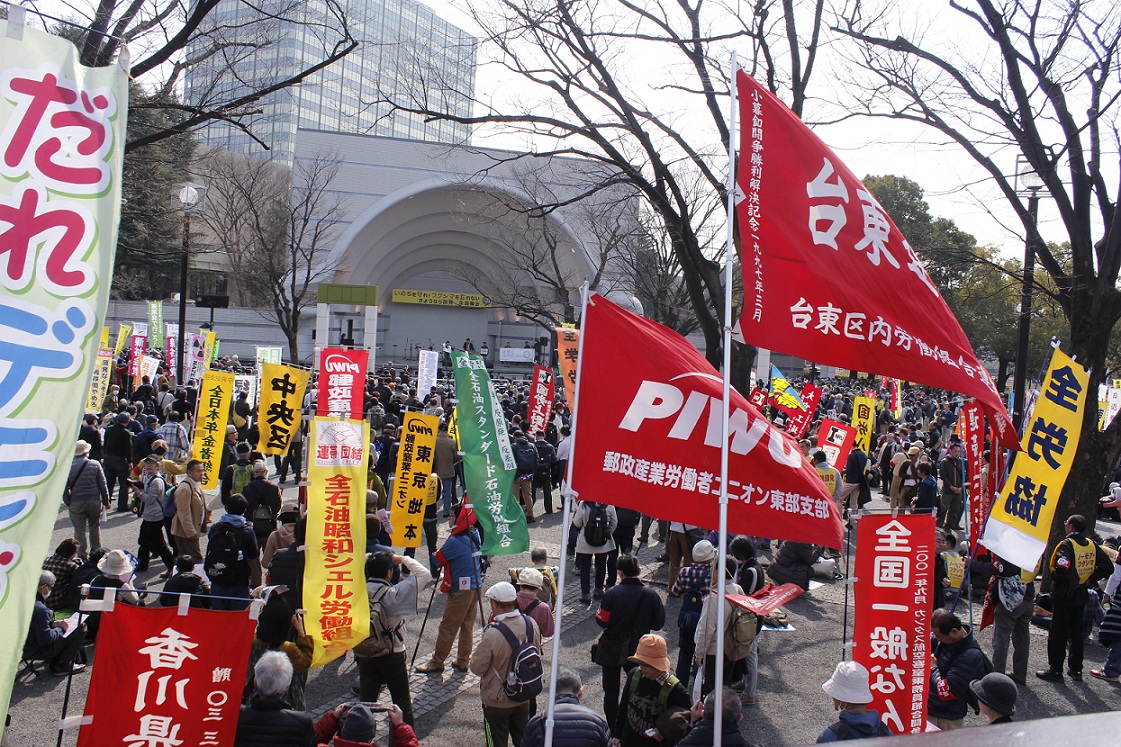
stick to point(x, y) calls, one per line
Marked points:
point(568, 350)
point(155, 319)
point(342, 382)
point(265, 355)
point(798, 422)
point(334, 570)
point(892, 625)
point(280, 412)
point(124, 332)
point(99, 383)
point(215, 397)
point(973, 438)
point(864, 420)
point(413, 478)
point(540, 400)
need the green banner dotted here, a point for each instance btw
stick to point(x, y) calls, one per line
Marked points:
point(60, 196)
point(155, 324)
point(488, 460)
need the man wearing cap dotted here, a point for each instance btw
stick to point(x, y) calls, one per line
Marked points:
point(529, 585)
point(996, 697)
point(85, 494)
point(506, 719)
point(117, 447)
point(460, 581)
point(848, 687)
point(47, 638)
point(693, 581)
point(651, 693)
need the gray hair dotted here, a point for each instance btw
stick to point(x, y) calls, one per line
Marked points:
point(46, 578)
point(273, 674)
point(568, 681)
point(732, 709)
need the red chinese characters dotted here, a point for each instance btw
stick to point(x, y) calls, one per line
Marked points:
point(335, 600)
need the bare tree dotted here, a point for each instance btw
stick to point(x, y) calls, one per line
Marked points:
point(275, 226)
point(575, 60)
point(1042, 80)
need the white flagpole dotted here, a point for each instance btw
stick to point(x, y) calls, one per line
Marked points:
point(722, 552)
point(555, 662)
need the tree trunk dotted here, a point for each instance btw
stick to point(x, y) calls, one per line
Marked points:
point(743, 357)
point(1002, 373)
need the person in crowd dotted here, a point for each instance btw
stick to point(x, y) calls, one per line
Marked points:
point(628, 611)
point(574, 724)
point(529, 585)
point(84, 575)
point(957, 661)
point(952, 472)
point(237, 474)
point(52, 640)
point(704, 647)
point(505, 718)
point(87, 496)
point(232, 561)
point(996, 695)
point(678, 548)
point(693, 584)
point(190, 510)
point(285, 531)
point(543, 473)
point(354, 725)
point(268, 720)
point(152, 496)
point(926, 497)
point(525, 457)
point(280, 628)
point(444, 459)
point(63, 563)
point(118, 459)
point(596, 522)
point(750, 577)
point(142, 444)
point(702, 732)
point(116, 572)
point(287, 566)
point(90, 433)
point(381, 657)
point(539, 556)
point(848, 687)
point(1012, 601)
point(794, 563)
point(645, 716)
point(262, 499)
point(185, 581)
point(462, 575)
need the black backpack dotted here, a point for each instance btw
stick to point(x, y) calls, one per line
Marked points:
point(223, 555)
point(595, 528)
point(526, 676)
point(691, 605)
point(525, 457)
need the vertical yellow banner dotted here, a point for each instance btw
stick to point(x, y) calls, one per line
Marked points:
point(338, 614)
point(414, 472)
point(281, 405)
point(104, 338)
point(102, 373)
point(215, 397)
point(124, 332)
point(864, 421)
point(210, 340)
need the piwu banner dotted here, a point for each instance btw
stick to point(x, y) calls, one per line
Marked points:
point(161, 678)
point(540, 400)
point(1021, 517)
point(798, 422)
point(864, 420)
point(488, 459)
point(281, 409)
point(894, 574)
point(60, 195)
point(807, 228)
point(973, 438)
point(649, 438)
point(342, 382)
point(215, 397)
point(414, 473)
point(99, 382)
point(338, 615)
point(568, 351)
point(836, 439)
point(155, 319)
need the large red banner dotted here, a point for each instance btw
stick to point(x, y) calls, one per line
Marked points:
point(138, 345)
point(766, 600)
point(973, 438)
point(891, 632)
point(836, 440)
point(798, 421)
point(161, 678)
point(649, 438)
point(827, 275)
point(342, 382)
point(540, 400)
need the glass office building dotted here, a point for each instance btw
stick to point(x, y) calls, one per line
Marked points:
point(405, 52)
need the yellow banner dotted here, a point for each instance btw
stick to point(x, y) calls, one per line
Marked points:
point(1021, 516)
point(440, 298)
point(102, 374)
point(864, 420)
point(281, 405)
point(338, 613)
point(215, 397)
point(453, 427)
point(104, 339)
point(414, 472)
point(568, 350)
point(210, 342)
point(124, 332)
point(955, 569)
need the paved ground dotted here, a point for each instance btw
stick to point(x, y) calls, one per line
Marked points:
point(792, 709)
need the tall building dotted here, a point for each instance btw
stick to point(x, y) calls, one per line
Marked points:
point(405, 51)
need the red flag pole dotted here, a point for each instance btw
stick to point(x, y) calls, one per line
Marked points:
point(725, 410)
point(555, 665)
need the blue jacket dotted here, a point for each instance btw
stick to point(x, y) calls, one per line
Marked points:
point(40, 635)
point(861, 725)
point(958, 664)
point(575, 726)
point(927, 498)
point(459, 551)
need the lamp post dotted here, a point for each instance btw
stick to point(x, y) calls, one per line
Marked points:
point(188, 198)
point(1027, 182)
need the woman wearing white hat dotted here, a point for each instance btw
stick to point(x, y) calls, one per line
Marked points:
point(851, 695)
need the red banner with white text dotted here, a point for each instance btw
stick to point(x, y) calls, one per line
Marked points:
point(766, 600)
point(828, 276)
point(161, 678)
point(836, 440)
point(973, 439)
point(649, 438)
point(758, 398)
point(540, 401)
point(894, 572)
point(342, 382)
point(798, 421)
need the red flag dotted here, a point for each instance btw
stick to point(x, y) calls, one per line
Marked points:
point(649, 438)
point(165, 678)
point(758, 398)
point(766, 600)
point(836, 440)
point(798, 421)
point(342, 382)
point(540, 400)
point(827, 275)
point(973, 438)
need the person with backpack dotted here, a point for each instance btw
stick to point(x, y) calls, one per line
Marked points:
point(508, 659)
point(848, 687)
point(740, 627)
point(543, 472)
point(525, 459)
point(236, 476)
point(652, 693)
point(958, 660)
point(232, 560)
point(750, 578)
point(623, 535)
point(596, 521)
point(529, 585)
point(153, 499)
point(263, 499)
point(693, 583)
point(382, 656)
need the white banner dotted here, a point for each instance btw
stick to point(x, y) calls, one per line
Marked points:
point(426, 372)
point(516, 355)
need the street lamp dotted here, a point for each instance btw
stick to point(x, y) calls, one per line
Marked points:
point(188, 198)
point(1030, 183)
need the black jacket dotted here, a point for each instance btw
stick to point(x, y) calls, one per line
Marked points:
point(702, 733)
point(628, 611)
point(268, 722)
point(794, 564)
point(575, 726)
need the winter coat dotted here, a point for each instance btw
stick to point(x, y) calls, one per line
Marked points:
point(862, 725)
point(705, 637)
point(628, 611)
point(491, 658)
point(328, 726)
point(189, 510)
point(90, 485)
point(151, 499)
point(581, 518)
point(794, 564)
point(702, 733)
point(269, 722)
point(958, 664)
point(282, 536)
point(574, 725)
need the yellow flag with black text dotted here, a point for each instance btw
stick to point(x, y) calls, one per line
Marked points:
point(215, 397)
point(864, 420)
point(280, 411)
point(414, 472)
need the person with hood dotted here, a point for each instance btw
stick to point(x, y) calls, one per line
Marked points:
point(268, 720)
point(87, 495)
point(460, 580)
point(355, 726)
point(848, 687)
point(232, 560)
point(996, 697)
point(285, 532)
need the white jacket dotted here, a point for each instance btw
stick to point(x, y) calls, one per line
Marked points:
point(705, 637)
point(581, 517)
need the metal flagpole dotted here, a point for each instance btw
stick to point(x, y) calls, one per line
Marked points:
point(722, 559)
point(554, 665)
